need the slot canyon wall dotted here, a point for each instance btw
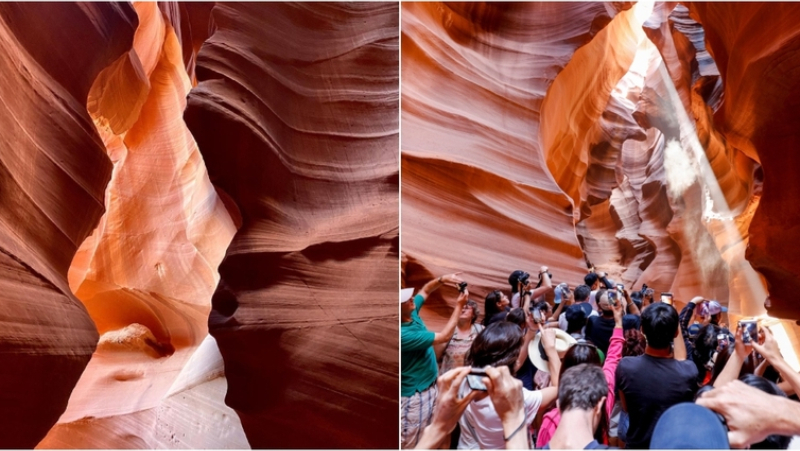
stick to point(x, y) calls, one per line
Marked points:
point(633, 136)
point(174, 169)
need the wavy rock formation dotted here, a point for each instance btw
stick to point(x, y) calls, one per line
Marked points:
point(646, 164)
point(147, 272)
point(298, 123)
point(53, 172)
point(758, 118)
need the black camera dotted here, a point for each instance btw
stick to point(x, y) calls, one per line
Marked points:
point(523, 279)
point(462, 287)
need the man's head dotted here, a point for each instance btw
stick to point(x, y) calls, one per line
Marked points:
point(601, 298)
point(592, 280)
point(576, 318)
point(583, 387)
point(659, 325)
point(715, 309)
point(582, 293)
point(497, 345)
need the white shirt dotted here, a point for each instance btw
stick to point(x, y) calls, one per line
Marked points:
point(481, 428)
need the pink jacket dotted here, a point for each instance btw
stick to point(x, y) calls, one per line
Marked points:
point(553, 417)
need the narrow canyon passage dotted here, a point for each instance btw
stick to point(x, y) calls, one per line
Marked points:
point(199, 238)
point(632, 136)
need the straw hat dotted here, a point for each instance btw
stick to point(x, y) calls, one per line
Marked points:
point(535, 352)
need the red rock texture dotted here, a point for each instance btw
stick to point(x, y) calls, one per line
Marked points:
point(759, 66)
point(298, 123)
point(53, 172)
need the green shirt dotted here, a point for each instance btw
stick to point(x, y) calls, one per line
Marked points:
point(418, 368)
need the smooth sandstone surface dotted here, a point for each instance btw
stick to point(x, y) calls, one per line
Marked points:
point(53, 173)
point(147, 272)
point(298, 123)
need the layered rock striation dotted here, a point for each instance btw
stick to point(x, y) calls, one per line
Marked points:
point(298, 123)
point(53, 173)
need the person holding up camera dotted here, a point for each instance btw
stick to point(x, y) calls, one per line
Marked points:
point(419, 368)
point(520, 283)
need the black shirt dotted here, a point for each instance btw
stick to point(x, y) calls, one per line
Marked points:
point(599, 331)
point(652, 385)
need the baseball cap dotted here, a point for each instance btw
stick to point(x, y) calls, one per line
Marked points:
point(689, 426)
point(714, 308)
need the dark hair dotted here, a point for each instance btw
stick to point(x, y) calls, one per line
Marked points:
point(582, 387)
point(497, 345)
point(490, 305)
point(516, 316)
point(543, 307)
point(513, 280)
point(590, 279)
point(748, 367)
point(576, 318)
point(704, 346)
point(635, 343)
point(476, 312)
point(581, 352)
point(659, 324)
point(582, 293)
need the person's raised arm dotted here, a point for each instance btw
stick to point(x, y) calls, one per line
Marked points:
point(529, 335)
point(632, 308)
point(751, 414)
point(772, 354)
point(603, 277)
point(447, 333)
point(735, 362)
point(449, 408)
point(680, 346)
point(546, 285)
point(566, 300)
point(434, 284)
point(505, 391)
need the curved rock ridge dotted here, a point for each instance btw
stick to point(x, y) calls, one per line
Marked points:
point(53, 170)
point(298, 122)
point(477, 194)
point(147, 272)
point(654, 174)
point(758, 120)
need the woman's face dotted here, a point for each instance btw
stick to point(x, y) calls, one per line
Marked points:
point(503, 302)
point(466, 312)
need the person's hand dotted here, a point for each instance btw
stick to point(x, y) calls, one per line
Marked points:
point(451, 279)
point(543, 270)
point(462, 299)
point(505, 391)
point(769, 350)
point(449, 407)
point(697, 300)
point(548, 338)
point(601, 274)
point(744, 409)
point(619, 309)
point(740, 348)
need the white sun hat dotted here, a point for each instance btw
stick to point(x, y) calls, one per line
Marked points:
point(563, 342)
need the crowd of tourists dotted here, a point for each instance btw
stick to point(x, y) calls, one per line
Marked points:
point(591, 367)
